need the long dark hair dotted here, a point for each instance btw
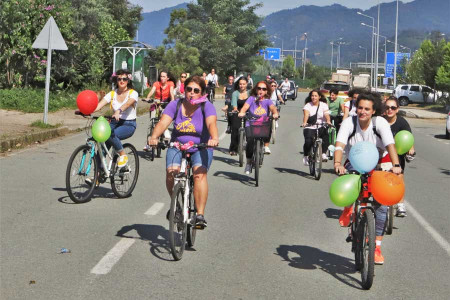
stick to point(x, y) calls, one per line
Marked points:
point(321, 96)
point(170, 77)
point(375, 98)
point(236, 84)
point(123, 72)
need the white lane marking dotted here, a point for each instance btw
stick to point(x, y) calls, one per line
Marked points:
point(223, 135)
point(112, 257)
point(152, 211)
point(434, 234)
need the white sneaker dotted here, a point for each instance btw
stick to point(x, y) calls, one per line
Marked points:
point(267, 150)
point(276, 124)
point(248, 168)
point(305, 161)
point(401, 210)
point(147, 148)
point(324, 157)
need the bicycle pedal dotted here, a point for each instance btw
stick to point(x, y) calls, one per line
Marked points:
point(348, 239)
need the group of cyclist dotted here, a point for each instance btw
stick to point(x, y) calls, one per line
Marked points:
point(362, 118)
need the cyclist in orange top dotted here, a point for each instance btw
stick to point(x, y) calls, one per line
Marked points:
point(163, 88)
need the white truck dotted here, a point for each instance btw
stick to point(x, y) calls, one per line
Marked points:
point(361, 81)
point(342, 75)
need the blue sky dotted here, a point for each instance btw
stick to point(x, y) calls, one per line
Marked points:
point(270, 6)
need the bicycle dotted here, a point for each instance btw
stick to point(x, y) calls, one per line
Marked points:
point(183, 211)
point(153, 121)
point(315, 154)
point(362, 232)
point(259, 130)
point(274, 124)
point(332, 140)
point(211, 91)
point(93, 163)
point(392, 210)
point(242, 139)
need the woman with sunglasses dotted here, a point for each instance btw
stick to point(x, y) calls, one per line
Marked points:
point(238, 98)
point(228, 90)
point(195, 120)
point(397, 124)
point(258, 104)
point(123, 102)
point(179, 90)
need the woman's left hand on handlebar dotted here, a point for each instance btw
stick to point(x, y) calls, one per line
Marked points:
point(152, 141)
point(275, 116)
point(241, 115)
point(213, 143)
point(397, 170)
point(116, 115)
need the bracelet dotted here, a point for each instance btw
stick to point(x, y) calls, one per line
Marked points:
point(337, 162)
point(338, 148)
point(120, 110)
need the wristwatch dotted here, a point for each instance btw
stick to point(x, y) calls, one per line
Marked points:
point(397, 165)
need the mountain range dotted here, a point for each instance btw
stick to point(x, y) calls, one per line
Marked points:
point(330, 23)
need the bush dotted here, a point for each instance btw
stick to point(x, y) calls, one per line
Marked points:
point(32, 100)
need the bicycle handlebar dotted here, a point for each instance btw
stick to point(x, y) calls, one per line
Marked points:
point(79, 113)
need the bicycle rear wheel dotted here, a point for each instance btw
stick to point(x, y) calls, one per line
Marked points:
point(366, 248)
point(177, 226)
point(150, 131)
point(256, 162)
point(81, 174)
point(123, 180)
point(241, 147)
point(390, 220)
point(311, 164)
point(272, 136)
point(191, 230)
point(318, 161)
point(158, 148)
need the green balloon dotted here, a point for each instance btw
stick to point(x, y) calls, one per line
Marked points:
point(101, 131)
point(404, 140)
point(345, 190)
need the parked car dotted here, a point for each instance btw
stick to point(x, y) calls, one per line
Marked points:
point(292, 92)
point(415, 93)
point(447, 129)
point(342, 87)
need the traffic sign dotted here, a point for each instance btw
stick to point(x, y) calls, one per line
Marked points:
point(272, 53)
point(389, 69)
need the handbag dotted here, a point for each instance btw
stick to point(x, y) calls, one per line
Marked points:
point(313, 119)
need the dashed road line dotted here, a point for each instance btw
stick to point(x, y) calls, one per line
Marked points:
point(108, 261)
point(434, 234)
point(156, 208)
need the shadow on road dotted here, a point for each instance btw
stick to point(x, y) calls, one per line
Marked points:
point(310, 258)
point(440, 136)
point(156, 235)
point(332, 213)
point(230, 161)
point(146, 155)
point(445, 171)
point(99, 192)
point(244, 179)
point(295, 172)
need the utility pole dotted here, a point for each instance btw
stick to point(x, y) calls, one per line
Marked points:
point(304, 53)
point(331, 63)
point(395, 51)
point(377, 45)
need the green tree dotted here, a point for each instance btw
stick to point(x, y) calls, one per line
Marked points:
point(443, 73)
point(288, 68)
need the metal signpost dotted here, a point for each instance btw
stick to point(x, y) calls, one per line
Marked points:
point(391, 62)
point(49, 38)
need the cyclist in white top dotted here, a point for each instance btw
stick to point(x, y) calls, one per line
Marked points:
point(212, 78)
point(123, 102)
point(350, 105)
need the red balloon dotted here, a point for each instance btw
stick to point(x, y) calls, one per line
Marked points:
point(87, 102)
point(387, 188)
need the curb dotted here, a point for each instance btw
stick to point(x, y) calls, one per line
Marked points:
point(32, 138)
point(408, 114)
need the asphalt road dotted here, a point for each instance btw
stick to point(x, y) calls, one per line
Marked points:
point(278, 241)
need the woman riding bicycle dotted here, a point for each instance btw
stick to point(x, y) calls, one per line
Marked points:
point(123, 101)
point(179, 89)
point(315, 112)
point(228, 90)
point(238, 98)
point(336, 106)
point(194, 120)
point(163, 89)
point(258, 105)
point(366, 126)
point(350, 105)
point(397, 124)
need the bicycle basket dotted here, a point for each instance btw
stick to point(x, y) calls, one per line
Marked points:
point(259, 129)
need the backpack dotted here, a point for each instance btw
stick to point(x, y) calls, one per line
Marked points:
point(374, 127)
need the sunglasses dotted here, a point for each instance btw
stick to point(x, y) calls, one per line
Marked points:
point(273, 85)
point(261, 88)
point(391, 107)
point(190, 89)
point(119, 79)
point(183, 76)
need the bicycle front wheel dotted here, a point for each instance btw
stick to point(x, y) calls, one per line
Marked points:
point(81, 174)
point(150, 132)
point(390, 220)
point(366, 248)
point(318, 161)
point(177, 226)
point(272, 136)
point(241, 147)
point(256, 162)
point(123, 180)
point(191, 230)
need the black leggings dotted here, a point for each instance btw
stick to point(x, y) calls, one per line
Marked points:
point(309, 139)
point(235, 122)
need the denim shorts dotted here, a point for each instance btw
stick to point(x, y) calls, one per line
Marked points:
point(200, 158)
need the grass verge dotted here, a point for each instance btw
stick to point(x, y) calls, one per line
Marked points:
point(42, 125)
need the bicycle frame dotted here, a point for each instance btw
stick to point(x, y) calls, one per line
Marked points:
point(95, 147)
point(183, 177)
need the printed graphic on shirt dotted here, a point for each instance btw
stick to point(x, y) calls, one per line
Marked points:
point(186, 126)
point(260, 111)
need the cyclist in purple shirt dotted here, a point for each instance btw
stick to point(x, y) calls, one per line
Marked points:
point(258, 104)
point(196, 121)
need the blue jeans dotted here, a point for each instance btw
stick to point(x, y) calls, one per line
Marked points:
point(120, 130)
point(200, 158)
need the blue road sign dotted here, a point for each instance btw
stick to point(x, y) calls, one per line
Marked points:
point(272, 53)
point(389, 69)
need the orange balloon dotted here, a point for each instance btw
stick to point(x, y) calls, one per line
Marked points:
point(387, 188)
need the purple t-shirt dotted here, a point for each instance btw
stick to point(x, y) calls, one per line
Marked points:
point(187, 129)
point(260, 109)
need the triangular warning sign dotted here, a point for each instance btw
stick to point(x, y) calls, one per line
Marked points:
point(50, 37)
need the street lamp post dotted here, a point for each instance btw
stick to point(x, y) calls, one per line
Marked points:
point(366, 51)
point(377, 45)
point(331, 63)
point(395, 49)
point(373, 31)
point(304, 54)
